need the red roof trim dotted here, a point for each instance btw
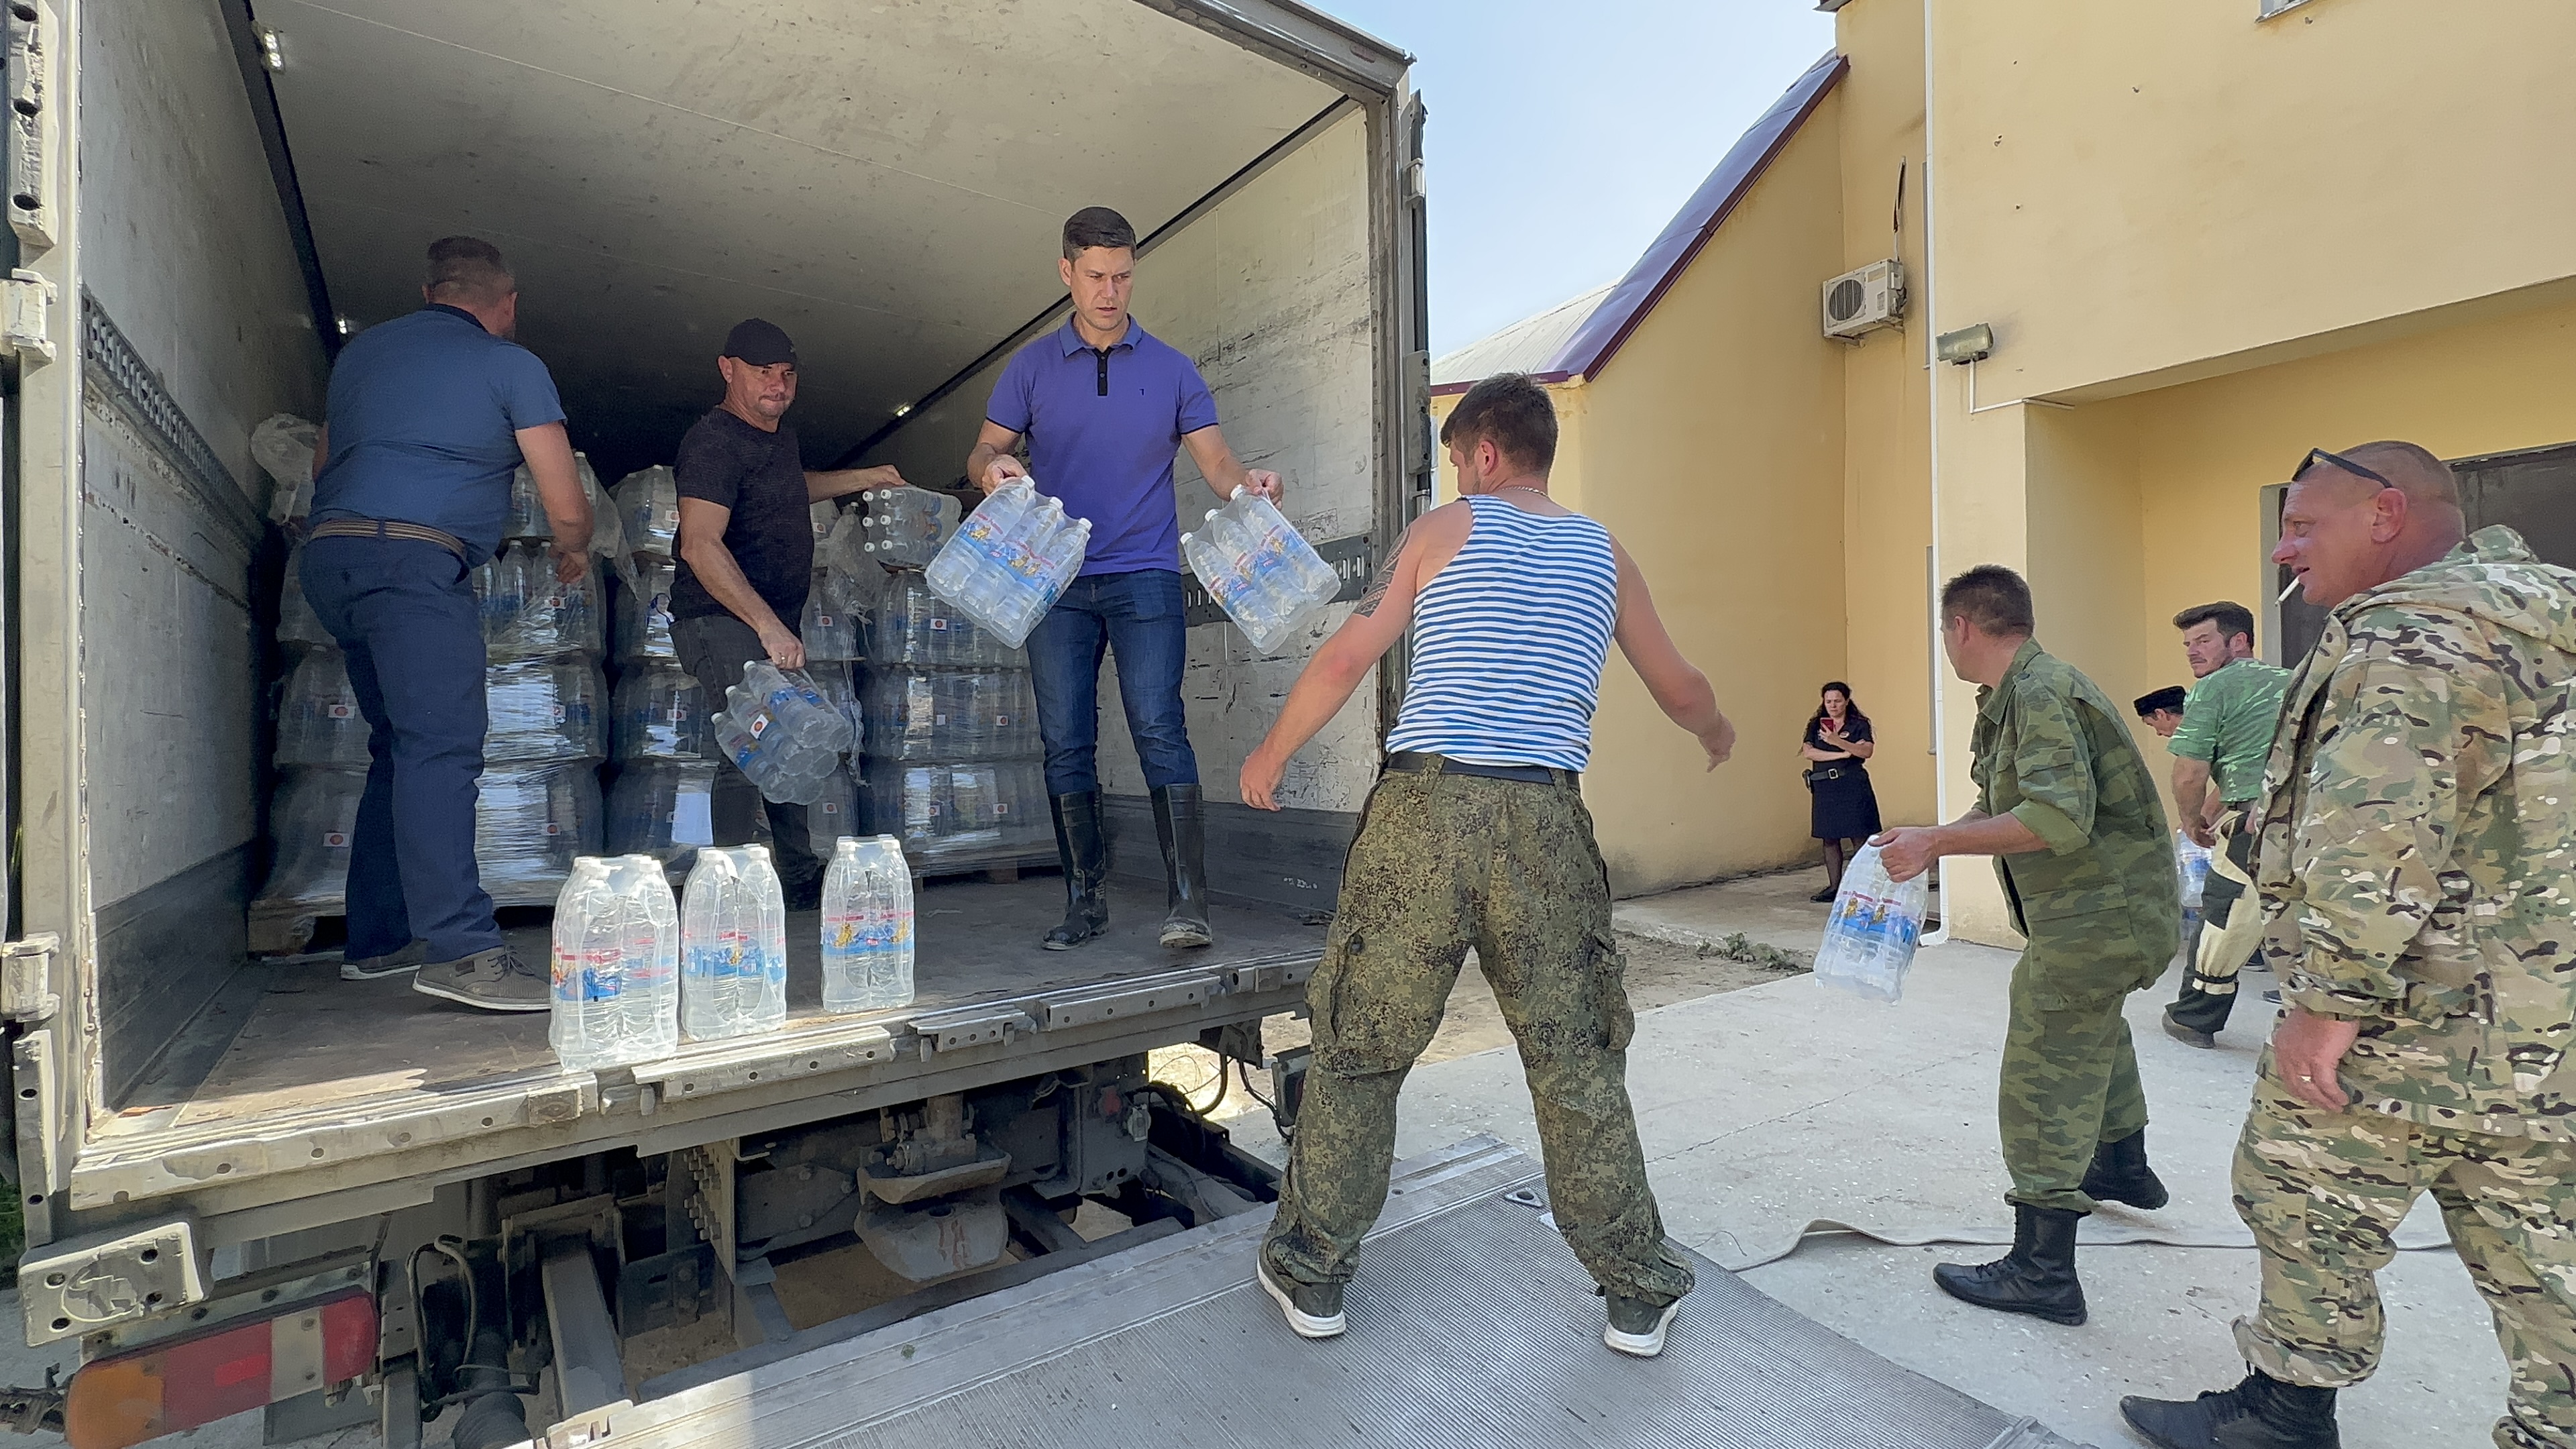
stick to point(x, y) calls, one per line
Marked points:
point(1606, 330)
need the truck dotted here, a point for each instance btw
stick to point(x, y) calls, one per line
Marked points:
point(248, 1184)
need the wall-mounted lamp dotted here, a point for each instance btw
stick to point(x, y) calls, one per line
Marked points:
point(1968, 344)
point(270, 51)
point(903, 411)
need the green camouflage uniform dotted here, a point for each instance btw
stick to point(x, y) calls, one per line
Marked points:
point(2417, 873)
point(1442, 863)
point(2100, 906)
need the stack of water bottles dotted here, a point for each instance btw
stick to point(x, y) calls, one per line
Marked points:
point(867, 926)
point(904, 527)
point(659, 803)
point(779, 730)
point(1875, 926)
point(322, 759)
point(528, 521)
point(1011, 560)
point(539, 808)
point(616, 964)
point(733, 944)
point(951, 738)
point(1261, 571)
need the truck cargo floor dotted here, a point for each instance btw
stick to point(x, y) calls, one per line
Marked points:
point(1470, 1324)
point(294, 1034)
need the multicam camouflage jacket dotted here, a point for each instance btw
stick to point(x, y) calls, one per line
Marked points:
point(2418, 856)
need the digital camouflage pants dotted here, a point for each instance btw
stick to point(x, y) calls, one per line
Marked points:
point(1442, 863)
point(2324, 1192)
point(2070, 1075)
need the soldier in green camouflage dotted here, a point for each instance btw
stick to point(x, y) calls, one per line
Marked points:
point(1476, 836)
point(2417, 873)
point(2068, 810)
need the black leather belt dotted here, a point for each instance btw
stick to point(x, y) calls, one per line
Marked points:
point(389, 528)
point(1416, 762)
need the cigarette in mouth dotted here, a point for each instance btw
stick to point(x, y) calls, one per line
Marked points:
point(2287, 589)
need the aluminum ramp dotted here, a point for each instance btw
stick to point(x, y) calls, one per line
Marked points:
point(1470, 1324)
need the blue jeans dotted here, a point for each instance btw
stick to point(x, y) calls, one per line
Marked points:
point(1137, 617)
point(405, 616)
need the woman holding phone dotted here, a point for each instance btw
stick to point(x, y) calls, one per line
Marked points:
point(1845, 809)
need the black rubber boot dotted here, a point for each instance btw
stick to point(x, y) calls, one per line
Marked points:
point(1184, 839)
point(2200, 1014)
point(2260, 1413)
point(1084, 849)
point(2037, 1277)
point(2120, 1174)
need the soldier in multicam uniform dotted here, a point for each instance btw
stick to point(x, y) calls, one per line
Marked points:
point(2068, 810)
point(2417, 872)
point(1476, 836)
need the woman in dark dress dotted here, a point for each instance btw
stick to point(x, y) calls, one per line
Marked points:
point(1837, 749)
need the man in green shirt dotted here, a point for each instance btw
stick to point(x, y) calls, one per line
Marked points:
point(2218, 754)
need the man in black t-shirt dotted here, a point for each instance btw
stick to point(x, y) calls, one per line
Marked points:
point(746, 562)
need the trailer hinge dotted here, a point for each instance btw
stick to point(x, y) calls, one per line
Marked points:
point(27, 316)
point(72, 1288)
point(34, 130)
point(27, 978)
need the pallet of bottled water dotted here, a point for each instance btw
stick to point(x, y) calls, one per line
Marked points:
point(311, 823)
point(657, 713)
point(527, 518)
point(1261, 571)
point(544, 709)
point(647, 504)
point(733, 945)
point(778, 728)
point(616, 964)
point(915, 714)
point(830, 628)
point(643, 622)
point(318, 722)
point(531, 822)
point(959, 816)
point(529, 613)
point(913, 626)
point(867, 926)
point(664, 808)
point(1875, 925)
point(1011, 560)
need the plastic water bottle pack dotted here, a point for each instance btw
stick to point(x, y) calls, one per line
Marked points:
point(733, 945)
point(914, 626)
point(832, 814)
point(829, 631)
point(528, 613)
point(616, 964)
point(867, 926)
point(1871, 935)
point(318, 722)
point(905, 526)
point(544, 709)
point(644, 613)
point(1011, 560)
point(530, 822)
point(310, 823)
point(952, 815)
point(781, 732)
point(528, 510)
point(283, 445)
point(297, 625)
point(839, 685)
point(662, 808)
point(1264, 574)
point(659, 713)
point(2191, 866)
point(647, 502)
point(945, 714)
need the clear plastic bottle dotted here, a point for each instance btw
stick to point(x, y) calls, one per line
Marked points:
point(2191, 867)
point(1871, 935)
point(616, 964)
point(1258, 568)
point(733, 945)
point(1011, 560)
point(648, 509)
point(660, 714)
point(318, 722)
point(867, 926)
point(828, 631)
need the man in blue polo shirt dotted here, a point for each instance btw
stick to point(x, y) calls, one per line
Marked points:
point(429, 416)
point(1106, 407)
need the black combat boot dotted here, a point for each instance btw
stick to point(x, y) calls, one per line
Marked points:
point(2200, 1014)
point(2260, 1413)
point(2120, 1174)
point(1084, 849)
point(1177, 826)
point(2037, 1277)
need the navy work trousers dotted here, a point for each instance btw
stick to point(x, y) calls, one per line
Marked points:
point(1136, 617)
point(405, 616)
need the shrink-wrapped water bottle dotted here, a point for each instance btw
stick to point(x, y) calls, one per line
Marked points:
point(530, 823)
point(616, 964)
point(829, 631)
point(528, 517)
point(297, 624)
point(905, 526)
point(544, 709)
point(781, 732)
point(1875, 925)
point(839, 685)
point(660, 714)
point(644, 613)
point(733, 945)
point(648, 512)
point(867, 926)
point(915, 626)
point(1261, 571)
point(832, 814)
point(1011, 560)
point(664, 809)
point(312, 822)
point(318, 722)
point(529, 613)
point(2191, 866)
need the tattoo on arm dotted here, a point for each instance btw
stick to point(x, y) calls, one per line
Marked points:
point(1366, 608)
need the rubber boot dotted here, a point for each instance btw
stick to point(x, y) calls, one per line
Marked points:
point(1084, 850)
point(1184, 839)
point(2037, 1277)
point(2260, 1413)
point(2200, 1014)
point(2120, 1174)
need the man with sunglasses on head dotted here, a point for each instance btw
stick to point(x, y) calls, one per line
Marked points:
point(2416, 868)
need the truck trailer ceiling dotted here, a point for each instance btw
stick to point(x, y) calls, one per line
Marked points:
point(657, 170)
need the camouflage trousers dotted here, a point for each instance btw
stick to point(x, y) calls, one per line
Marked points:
point(2324, 1192)
point(1442, 863)
point(2070, 1077)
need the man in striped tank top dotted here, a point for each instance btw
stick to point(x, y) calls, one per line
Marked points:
point(1476, 836)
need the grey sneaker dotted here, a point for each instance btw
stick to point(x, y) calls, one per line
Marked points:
point(1312, 1310)
point(494, 980)
point(368, 968)
point(1637, 1326)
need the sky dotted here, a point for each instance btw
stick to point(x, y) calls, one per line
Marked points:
point(1564, 135)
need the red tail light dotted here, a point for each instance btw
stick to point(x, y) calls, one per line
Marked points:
point(143, 1394)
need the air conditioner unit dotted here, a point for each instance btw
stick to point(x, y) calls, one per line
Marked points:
point(1865, 300)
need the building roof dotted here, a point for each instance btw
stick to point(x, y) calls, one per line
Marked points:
point(1528, 345)
point(1596, 336)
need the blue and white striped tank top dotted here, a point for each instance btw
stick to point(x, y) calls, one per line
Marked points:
point(1509, 640)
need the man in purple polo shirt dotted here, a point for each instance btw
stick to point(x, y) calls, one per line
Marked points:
point(1105, 408)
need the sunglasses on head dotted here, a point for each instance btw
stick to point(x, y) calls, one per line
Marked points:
point(2336, 460)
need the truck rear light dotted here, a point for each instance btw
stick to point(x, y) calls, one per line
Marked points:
point(180, 1384)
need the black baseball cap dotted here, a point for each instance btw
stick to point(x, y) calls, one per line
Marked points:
point(759, 343)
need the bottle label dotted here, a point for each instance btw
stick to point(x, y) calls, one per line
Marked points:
point(337, 710)
point(336, 839)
